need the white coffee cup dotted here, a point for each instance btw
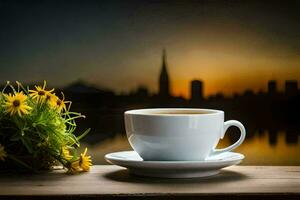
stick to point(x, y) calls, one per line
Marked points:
point(178, 134)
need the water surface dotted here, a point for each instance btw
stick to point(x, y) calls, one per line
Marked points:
point(257, 150)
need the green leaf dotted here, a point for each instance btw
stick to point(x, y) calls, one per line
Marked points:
point(27, 145)
point(15, 137)
point(83, 134)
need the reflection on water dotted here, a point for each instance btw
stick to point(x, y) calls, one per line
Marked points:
point(257, 150)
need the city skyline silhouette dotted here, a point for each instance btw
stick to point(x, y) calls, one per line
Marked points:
point(272, 110)
point(165, 86)
point(229, 45)
point(241, 57)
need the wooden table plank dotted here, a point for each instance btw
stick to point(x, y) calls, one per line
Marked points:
point(108, 181)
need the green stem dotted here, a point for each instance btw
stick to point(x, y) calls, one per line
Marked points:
point(71, 124)
point(73, 113)
point(83, 134)
point(61, 160)
point(75, 117)
point(12, 87)
point(23, 88)
point(7, 83)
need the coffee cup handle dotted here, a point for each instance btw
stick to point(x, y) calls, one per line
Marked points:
point(227, 124)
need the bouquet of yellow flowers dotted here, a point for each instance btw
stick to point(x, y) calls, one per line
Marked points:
point(37, 131)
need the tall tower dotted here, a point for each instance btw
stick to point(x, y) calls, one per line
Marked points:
point(272, 87)
point(164, 85)
point(196, 91)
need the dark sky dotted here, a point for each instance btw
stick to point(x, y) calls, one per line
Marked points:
point(231, 45)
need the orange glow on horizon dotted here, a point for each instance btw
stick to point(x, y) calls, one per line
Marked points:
point(227, 62)
point(228, 86)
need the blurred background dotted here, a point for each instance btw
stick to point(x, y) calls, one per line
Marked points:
point(110, 56)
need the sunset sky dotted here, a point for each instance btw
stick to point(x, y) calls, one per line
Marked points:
point(230, 45)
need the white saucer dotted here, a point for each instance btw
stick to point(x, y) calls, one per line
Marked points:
point(173, 169)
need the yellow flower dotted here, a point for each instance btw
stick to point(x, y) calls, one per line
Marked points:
point(74, 167)
point(2, 153)
point(40, 93)
point(82, 164)
point(16, 104)
point(66, 153)
point(51, 99)
point(61, 103)
point(85, 162)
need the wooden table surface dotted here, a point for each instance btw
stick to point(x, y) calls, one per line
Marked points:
point(112, 182)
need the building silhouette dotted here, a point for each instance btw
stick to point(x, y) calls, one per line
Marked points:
point(164, 82)
point(272, 87)
point(196, 91)
point(291, 88)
